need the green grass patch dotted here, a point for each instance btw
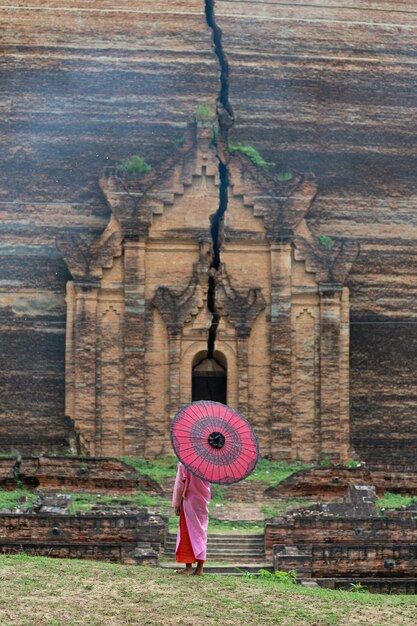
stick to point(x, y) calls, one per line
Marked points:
point(72, 592)
point(284, 176)
point(278, 508)
point(326, 241)
point(158, 469)
point(273, 472)
point(221, 526)
point(250, 152)
point(394, 501)
point(135, 165)
point(83, 502)
point(10, 499)
point(270, 472)
point(180, 141)
point(204, 113)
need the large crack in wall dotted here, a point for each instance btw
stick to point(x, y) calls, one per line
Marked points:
point(225, 119)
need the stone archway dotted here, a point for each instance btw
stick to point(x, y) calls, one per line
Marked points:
point(209, 378)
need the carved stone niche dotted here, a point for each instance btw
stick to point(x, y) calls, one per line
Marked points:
point(138, 321)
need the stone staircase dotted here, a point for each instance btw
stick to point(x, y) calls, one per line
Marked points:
point(226, 553)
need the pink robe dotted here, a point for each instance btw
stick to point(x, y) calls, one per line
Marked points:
point(194, 494)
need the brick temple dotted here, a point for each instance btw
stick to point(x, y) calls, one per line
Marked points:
point(116, 307)
point(138, 316)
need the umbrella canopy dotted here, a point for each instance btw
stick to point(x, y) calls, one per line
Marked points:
point(214, 442)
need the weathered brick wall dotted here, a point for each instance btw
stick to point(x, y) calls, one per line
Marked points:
point(75, 473)
point(128, 538)
point(315, 87)
point(332, 482)
point(329, 87)
point(371, 530)
point(87, 85)
point(374, 585)
point(312, 560)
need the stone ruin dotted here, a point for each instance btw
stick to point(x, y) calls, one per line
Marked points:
point(333, 542)
point(340, 544)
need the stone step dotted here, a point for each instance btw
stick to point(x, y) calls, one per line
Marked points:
point(229, 536)
point(224, 548)
point(228, 557)
point(220, 543)
point(229, 547)
point(226, 539)
point(232, 569)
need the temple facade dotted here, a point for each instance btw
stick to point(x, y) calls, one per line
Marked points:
point(144, 296)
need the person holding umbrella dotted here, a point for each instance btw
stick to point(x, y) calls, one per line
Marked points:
point(214, 444)
point(191, 498)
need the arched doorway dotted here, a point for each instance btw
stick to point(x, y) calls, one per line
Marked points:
point(209, 378)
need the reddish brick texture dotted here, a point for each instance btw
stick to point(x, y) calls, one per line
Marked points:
point(138, 538)
point(74, 473)
point(331, 530)
point(332, 482)
point(356, 560)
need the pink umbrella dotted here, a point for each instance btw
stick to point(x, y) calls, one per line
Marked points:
point(214, 442)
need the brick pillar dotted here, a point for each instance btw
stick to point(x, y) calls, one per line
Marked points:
point(345, 375)
point(134, 348)
point(71, 302)
point(243, 375)
point(333, 375)
point(281, 350)
point(305, 429)
point(85, 364)
point(174, 372)
point(110, 438)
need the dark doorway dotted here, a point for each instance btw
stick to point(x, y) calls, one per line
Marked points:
point(209, 379)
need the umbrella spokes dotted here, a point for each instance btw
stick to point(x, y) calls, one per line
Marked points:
point(214, 442)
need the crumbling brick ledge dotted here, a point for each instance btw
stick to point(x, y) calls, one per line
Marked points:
point(74, 474)
point(135, 539)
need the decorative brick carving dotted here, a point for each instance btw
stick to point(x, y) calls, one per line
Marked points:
point(177, 307)
point(282, 205)
point(86, 263)
point(241, 309)
point(138, 317)
point(134, 200)
point(331, 265)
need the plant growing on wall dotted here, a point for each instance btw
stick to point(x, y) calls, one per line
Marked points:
point(353, 463)
point(358, 588)
point(250, 152)
point(287, 578)
point(326, 241)
point(204, 113)
point(135, 165)
point(284, 176)
point(258, 160)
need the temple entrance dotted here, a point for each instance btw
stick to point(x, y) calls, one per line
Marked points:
point(209, 378)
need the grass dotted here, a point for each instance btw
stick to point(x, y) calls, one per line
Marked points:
point(83, 502)
point(10, 499)
point(284, 176)
point(53, 592)
point(278, 508)
point(394, 501)
point(135, 165)
point(273, 472)
point(250, 152)
point(204, 113)
point(158, 469)
point(270, 472)
point(326, 241)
